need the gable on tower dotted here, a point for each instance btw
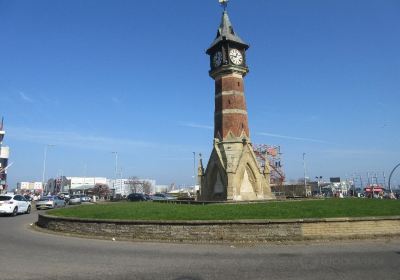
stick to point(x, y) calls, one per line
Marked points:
point(226, 33)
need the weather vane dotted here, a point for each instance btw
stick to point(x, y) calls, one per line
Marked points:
point(224, 3)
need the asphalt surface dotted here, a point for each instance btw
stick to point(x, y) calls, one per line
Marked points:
point(28, 254)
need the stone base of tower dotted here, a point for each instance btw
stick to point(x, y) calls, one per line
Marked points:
point(233, 174)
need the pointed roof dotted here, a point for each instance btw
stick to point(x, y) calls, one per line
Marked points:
point(226, 32)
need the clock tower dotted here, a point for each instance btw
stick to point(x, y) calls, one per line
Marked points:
point(232, 172)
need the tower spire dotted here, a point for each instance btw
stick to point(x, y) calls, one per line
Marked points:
point(226, 31)
point(224, 4)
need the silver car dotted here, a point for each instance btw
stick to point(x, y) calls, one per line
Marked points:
point(162, 196)
point(49, 202)
point(85, 198)
point(75, 199)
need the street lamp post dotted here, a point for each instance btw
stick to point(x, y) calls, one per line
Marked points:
point(194, 169)
point(390, 177)
point(305, 180)
point(319, 184)
point(44, 165)
point(116, 168)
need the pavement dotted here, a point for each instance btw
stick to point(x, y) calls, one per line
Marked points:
point(29, 254)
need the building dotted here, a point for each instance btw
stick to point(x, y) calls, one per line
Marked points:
point(32, 187)
point(232, 172)
point(338, 188)
point(124, 187)
point(56, 185)
point(162, 188)
point(73, 184)
point(84, 183)
point(292, 190)
point(4, 156)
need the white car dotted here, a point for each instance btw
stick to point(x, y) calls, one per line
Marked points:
point(14, 204)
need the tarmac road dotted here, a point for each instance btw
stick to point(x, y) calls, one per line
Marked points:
point(28, 254)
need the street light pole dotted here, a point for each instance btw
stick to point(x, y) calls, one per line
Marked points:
point(390, 177)
point(305, 180)
point(319, 178)
point(44, 165)
point(116, 168)
point(194, 169)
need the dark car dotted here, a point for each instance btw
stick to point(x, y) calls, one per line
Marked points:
point(28, 197)
point(136, 197)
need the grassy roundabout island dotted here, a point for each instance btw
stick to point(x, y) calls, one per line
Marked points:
point(329, 208)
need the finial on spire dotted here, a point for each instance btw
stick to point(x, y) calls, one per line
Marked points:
point(224, 3)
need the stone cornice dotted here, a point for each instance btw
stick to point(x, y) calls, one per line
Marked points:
point(229, 92)
point(232, 111)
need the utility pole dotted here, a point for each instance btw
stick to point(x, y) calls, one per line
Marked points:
point(84, 173)
point(384, 180)
point(120, 181)
point(354, 185)
point(370, 186)
point(116, 168)
point(194, 170)
point(319, 179)
point(44, 165)
point(305, 180)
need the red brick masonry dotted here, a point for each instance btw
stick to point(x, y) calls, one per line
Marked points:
point(230, 97)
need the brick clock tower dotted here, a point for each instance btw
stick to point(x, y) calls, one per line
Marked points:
point(232, 172)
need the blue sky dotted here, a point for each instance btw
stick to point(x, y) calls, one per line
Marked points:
point(94, 77)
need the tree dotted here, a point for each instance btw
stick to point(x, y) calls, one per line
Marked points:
point(139, 186)
point(100, 190)
point(135, 184)
point(146, 187)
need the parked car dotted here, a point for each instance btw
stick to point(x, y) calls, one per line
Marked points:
point(28, 197)
point(49, 202)
point(74, 199)
point(85, 198)
point(65, 196)
point(137, 197)
point(14, 204)
point(162, 196)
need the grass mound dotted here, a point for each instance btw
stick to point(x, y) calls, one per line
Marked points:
point(329, 208)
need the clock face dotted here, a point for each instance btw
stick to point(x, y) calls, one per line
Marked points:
point(217, 59)
point(236, 56)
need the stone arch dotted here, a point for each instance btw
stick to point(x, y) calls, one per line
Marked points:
point(216, 181)
point(248, 186)
point(250, 171)
point(248, 183)
point(219, 181)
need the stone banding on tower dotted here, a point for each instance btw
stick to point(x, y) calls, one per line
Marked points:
point(230, 107)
